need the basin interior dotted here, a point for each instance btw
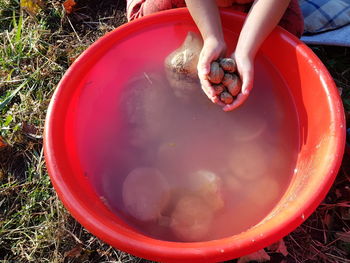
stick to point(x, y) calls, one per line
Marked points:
point(85, 128)
point(252, 150)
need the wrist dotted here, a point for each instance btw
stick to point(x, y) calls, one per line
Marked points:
point(214, 41)
point(244, 54)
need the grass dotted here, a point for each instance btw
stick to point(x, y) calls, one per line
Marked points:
point(34, 226)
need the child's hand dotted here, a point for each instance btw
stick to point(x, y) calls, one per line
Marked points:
point(245, 68)
point(212, 50)
point(262, 19)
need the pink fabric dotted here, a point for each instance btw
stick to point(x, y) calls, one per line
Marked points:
point(292, 20)
point(140, 8)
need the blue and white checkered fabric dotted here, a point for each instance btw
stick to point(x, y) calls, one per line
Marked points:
point(324, 15)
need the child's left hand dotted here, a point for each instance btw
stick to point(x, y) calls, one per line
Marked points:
point(245, 69)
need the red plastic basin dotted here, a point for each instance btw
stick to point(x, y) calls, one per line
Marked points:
point(317, 105)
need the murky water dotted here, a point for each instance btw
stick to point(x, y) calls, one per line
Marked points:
point(178, 168)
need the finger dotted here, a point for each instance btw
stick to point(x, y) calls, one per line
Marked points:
point(220, 103)
point(203, 67)
point(206, 57)
point(241, 98)
point(208, 90)
point(246, 73)
point(204, 61)
point(247, 84)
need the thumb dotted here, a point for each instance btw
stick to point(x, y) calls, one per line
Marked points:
point(204, 62)
point(203, 67)
point(247, 85)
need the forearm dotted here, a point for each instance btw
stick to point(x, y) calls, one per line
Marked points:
point(205, 13)
point(263, 17)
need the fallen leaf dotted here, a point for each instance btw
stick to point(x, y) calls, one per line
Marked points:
point(2, 143)
point(259, 256)
point(279, 247)
point(327, 220)
point(69, 6)
point(282, 248)
point(30, 130)
point(74, 252)
point(32, 7)
point(72, 59)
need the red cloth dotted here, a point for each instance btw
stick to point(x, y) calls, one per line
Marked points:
point(292, 20)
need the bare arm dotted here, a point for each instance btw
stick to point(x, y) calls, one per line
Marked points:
point(263, 17)
point(205, 13)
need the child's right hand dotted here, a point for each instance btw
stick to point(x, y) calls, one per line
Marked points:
point(212, 50)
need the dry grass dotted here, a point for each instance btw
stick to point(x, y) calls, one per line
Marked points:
point(34, 226)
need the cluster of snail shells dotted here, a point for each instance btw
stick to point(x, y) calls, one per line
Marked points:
point(226, 83)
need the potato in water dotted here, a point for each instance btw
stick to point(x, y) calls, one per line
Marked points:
point(207, 185)
point(145, 193)
point(191, 219)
